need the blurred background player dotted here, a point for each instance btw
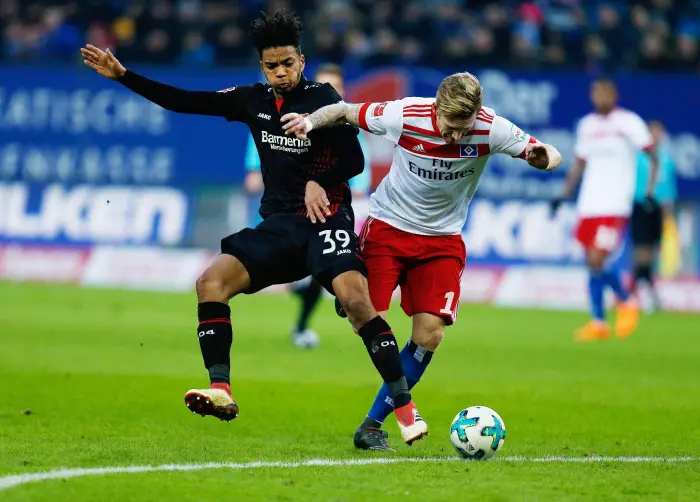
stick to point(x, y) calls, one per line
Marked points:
point(608, 141)
point(648, 217)
point(412, 238)
point(308, 290)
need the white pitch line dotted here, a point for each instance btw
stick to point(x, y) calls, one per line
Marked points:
point(21, 479)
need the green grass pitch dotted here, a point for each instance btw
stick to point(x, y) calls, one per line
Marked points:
point(95, 378)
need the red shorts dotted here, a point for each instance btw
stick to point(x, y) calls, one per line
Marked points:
point(428, 269)
point(604, 233)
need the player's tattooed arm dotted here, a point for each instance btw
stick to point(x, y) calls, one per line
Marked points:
point(335, 114)
point(338, 113)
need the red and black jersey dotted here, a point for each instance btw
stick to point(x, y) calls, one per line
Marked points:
point(329, 156)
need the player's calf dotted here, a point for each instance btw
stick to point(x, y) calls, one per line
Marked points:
point(351, 290)
point(222, 280)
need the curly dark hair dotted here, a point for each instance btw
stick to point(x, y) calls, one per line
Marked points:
point(280, 30)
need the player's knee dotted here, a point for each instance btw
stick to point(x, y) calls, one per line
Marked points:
point(595, 259)
point(353, 296)
point(210, 288)
point(224, 279)
point(356, 304)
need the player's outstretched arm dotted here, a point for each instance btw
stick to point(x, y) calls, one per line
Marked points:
point(169, 97)
point(337, 113)
point(653, 173)
point(573, 178)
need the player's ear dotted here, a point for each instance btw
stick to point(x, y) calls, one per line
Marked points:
point(302, 61)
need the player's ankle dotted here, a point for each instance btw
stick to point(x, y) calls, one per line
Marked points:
point(370, 423)
point(221, 385)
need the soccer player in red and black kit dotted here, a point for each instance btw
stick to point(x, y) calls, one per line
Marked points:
point(308, 226)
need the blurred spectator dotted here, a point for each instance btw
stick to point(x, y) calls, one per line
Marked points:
point(597, 57)
point(483, 47)
point(524, 53)
point(159, 48)
point(687, 47)
point(612, 34)
point(654, 54)
point(233, 47)
point(386, 48)
point(496, 17)
point(594, 35)
point(196, 51)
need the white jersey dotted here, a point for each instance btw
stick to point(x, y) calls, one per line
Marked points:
point(430, 184)
point(609, 145)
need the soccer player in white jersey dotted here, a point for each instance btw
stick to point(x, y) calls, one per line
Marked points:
point(608, 141)
point(412, 238)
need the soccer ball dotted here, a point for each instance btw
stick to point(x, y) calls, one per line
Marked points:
point(477, 433)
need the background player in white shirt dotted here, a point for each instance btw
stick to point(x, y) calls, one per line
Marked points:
point(412, 238)
point(607, 144)
point(308, 290)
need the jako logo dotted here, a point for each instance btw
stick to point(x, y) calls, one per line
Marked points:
point(264, 116)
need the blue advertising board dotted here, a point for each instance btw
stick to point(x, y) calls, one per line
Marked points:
point(67, 135)
point(84, 214)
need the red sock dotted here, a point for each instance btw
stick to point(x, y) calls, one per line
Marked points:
point(221, 385)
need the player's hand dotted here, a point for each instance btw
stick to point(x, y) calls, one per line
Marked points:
point(317, 204)
point(103, 62)
point(537, 156)
point(296, 125)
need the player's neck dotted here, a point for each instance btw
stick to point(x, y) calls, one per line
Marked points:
point(285, 94)
point(605, 111)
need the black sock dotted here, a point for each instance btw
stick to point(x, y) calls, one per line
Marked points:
point(215, 338)
point(369, 422)
point(382, 348)
point(310, 296)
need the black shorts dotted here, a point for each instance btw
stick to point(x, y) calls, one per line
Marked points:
point(287, 247)
point(646, 225)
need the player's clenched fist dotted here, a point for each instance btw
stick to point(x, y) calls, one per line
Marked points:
point(102, 62)
point(542, 157)
point(297, 125)
point(317, 204)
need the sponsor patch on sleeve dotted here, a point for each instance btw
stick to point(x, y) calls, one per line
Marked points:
point(518, 134)
point(379, 109)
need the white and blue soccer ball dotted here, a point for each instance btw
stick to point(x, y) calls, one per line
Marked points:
point(477, 433)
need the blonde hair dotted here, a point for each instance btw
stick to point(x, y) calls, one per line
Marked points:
point(459, 96)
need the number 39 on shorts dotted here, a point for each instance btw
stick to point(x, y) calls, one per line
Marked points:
point(334, 239)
